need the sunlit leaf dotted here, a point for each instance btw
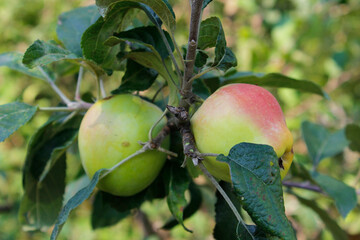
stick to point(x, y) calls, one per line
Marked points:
point(42, 53)
point(321, 143)
point(13, 60)
point(344, 196)
point(13, 116)
point(274, 80)
point(72, 24)
point(74, 202)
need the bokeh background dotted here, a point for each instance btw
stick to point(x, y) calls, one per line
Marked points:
point(316, 40)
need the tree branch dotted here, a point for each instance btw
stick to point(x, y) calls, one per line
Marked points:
point(308, 186)
point(186, 86)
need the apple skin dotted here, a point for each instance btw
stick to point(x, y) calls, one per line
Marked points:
point(110, 131)
point(239, 113)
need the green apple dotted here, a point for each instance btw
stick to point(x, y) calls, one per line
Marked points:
point(239, 113)
point(109, 132)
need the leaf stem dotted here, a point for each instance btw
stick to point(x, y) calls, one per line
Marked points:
point(54, 87)
point(201, 74)
point(170, 52)
point(78, 84)
point(56, 109)
point(225, 196)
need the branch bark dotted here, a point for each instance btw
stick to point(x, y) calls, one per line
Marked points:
point(186, 87)
point(307, 186)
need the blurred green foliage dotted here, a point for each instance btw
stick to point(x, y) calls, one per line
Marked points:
point(316, 40)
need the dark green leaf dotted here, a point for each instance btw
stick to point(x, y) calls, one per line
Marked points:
point(42, 53)
point(211, 34)
point(13, 60)
point(92, 41)
point(352, 132)
point(13, 116)
point(178, 183)
point(321, 143)
point(201, 58)
point(332, 226)
point(158, 6)
point(256, 178)
point(274, 80)
point(190, 209)
point(103, 214)
point(136, 78)
point(227, 61)
point(205, 3)
point(200, 89)
point(109, 209)
point(344, 196)
point(227, 227)
point(71, 25)
point(74, 202)
point(44, 171)
point(147, 35)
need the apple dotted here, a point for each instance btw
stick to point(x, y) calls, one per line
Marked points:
point(110, 131)
point(239, 113)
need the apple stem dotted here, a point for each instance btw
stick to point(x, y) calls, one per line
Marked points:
point(155, 124)
point(225, 196)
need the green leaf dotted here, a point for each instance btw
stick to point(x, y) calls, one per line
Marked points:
point(201, 58)
point(227, 61)
point(74, 202)
point(211, 34)
point(147, 36)
point(42, 53)
point(178, 183)
point(44, 171)
point(255, 175)
point(332, 226)
point(344, 196)
point(158, 6)
point(321, 143)
point(205, 3)
point(71, 26)
point(274, 80)
point(103, 213)
point(136, 78)
point(13, 116)
point(352, 132)
point(193, 206)
point(13, 60)
point(92, 41)
point(109, 209)
point(200, 89)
